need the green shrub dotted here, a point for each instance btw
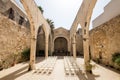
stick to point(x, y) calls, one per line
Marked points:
point(118, 61)
point(25, 54)
point(116, 58)
point(11, 59)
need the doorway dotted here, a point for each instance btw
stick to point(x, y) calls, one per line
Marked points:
point(60, 46)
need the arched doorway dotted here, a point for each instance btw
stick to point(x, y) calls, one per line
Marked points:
point(60, 46)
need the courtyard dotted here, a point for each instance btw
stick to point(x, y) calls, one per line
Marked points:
point(20, 72)
point(71, 40)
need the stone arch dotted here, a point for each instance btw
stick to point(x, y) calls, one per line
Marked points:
point(74, 30)
point(83, 17)
point(74, 37)
point(60, 46)
point(36, 19)
point(63, 37)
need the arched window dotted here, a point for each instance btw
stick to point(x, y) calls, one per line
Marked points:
point(11, 13)
point(21, 20)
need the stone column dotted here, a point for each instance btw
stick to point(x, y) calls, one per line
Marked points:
point(74, 47)
point(51, 45)
point(85, 32)
point(86, 52)
point(32, 51)
point(46, 46)
point(71, 46)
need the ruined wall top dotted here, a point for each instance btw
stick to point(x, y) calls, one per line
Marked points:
point(110, 11)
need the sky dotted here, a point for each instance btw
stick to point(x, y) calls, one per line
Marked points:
point(63, 12)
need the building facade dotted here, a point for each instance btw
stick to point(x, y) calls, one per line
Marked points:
point(60, 45)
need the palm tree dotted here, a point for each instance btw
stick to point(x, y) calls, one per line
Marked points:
point(51, 23)
point(41, 9)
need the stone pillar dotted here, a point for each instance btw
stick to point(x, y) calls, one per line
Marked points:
point(85, 32)
point(74, 47)
point(70, 46)
point(32, 51)
point(86, 52)
point(51, 45)
point(46, 46)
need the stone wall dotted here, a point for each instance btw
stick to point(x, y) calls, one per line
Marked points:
point(13, 40)
point(18, 14)
point(79, 44)
point(105, 41)
point(41, 42)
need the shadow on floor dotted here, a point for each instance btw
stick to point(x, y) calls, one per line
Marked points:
point(39, 59)
point(60, 57)
point(86, 76)
point(16, 74)
point(108, 67)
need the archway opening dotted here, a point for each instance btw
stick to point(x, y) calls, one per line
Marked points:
point(79, 41)
point(40, 47)
point(60, 46)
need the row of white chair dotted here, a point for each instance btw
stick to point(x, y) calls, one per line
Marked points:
point(70, 66)
point(47, 66)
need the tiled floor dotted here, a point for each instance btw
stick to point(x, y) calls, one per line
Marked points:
point(19, 72)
